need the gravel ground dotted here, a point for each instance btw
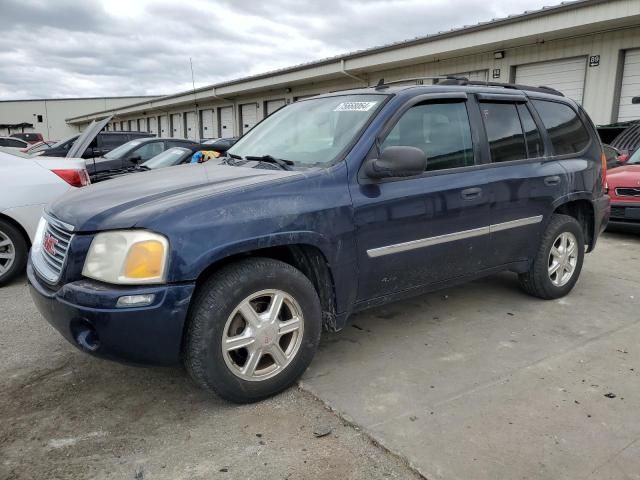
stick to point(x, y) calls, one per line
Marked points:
point(65, 415)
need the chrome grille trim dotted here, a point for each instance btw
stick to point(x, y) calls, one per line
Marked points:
point(50, 267)
point(627, 192)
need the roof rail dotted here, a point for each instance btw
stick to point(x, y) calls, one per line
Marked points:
point(514, 86)
point(453, 80)
point(381, 85)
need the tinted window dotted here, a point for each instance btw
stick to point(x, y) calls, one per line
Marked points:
point(535, 147)
point(112, 140)
point(440, 130)
point(566, 131)
point(504, 132)
point(148, 150)
point(9, 142)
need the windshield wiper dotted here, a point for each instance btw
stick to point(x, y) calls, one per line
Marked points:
point(281, 162)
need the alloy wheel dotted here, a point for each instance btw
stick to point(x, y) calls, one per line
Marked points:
point(7, 253)
point(563, 258)
point(262, 335)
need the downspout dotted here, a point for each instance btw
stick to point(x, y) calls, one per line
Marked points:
point(344, 72)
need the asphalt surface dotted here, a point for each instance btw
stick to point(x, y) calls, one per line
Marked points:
point(478, 381)
point(65, 415)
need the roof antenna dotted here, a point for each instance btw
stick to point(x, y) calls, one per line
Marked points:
point(380, 85)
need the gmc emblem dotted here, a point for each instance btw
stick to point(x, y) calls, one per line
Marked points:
point(49, 244)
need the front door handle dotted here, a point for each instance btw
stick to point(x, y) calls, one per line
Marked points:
point(471, 193)
point(551, 181)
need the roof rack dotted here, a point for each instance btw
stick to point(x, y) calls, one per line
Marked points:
point(453, 80)
point(514, 86)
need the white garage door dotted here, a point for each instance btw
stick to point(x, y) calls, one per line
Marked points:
point(133, 125)
point(630, 87)
point(226, 122)
point(192, 128)
point(164, 127)
point(153, 125)
point(209, 129)
point(177, 130)
point(249, 114)
point(114, 126)
point(273, 105)
point(142, 124)
point(566, 75)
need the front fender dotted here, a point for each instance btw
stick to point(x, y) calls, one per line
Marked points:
point(220, 252)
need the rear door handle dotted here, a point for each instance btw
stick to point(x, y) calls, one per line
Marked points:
point(550, 181)
point(471, 193)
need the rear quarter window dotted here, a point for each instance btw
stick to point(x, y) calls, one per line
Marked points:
point(566, 131)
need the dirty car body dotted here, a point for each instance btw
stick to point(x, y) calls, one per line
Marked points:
point(362, 232)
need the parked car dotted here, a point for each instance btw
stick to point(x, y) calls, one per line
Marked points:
point(102, 143)
point(614, 156)
point(27, 187)
point(13, 142)
point(174, 156)
point(627, 142)
point(330, 205)
point(128, 156)
point(624, 191)
point(29, 137)
point(220, 144)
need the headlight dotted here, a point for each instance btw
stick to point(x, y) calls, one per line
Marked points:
point(127, 257)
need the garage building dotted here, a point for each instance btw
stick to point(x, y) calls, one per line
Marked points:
point(588, 49)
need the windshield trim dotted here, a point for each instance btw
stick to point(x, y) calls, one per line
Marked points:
point(341, 155)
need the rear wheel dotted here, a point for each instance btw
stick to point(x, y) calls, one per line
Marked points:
point(557, 265)
point(254, 328)
point(13, 252)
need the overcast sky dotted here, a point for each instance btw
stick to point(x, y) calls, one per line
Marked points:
point(73, 48)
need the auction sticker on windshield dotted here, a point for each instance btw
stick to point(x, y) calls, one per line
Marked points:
point(355, 106)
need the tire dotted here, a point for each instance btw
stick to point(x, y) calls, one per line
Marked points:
point(13, 245)
point(216, 315)
point(538, 281)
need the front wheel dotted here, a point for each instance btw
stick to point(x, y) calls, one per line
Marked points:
point(557, 265)
point(13, 252)
point(254, 327)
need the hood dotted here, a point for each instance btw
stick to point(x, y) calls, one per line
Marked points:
point(86, 137)
point(126, 201)
point(626, 176)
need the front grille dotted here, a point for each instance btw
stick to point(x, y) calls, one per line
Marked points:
point(51, 253)
point(628, 192)
point(617, 212)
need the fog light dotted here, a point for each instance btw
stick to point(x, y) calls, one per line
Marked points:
point(135, 300)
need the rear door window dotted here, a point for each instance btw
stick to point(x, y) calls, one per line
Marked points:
point(566, 131)
point(440, 130)
point(504, 132)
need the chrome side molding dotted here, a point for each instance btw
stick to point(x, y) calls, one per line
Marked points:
point(451, 237)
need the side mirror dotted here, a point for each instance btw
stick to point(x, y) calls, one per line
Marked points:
point(397, 162)
point(135, 160)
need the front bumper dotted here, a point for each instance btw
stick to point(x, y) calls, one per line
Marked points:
point(625, 212)
point(84, 313)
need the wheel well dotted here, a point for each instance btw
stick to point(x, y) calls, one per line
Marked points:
point(306, 258)
point(582, 211)
point(19, 227)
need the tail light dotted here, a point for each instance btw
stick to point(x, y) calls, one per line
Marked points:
point(605, 187)
point(75, 178)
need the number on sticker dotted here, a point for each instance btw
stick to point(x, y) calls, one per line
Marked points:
point(355, 106)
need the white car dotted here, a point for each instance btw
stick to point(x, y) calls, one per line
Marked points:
point(28, 185)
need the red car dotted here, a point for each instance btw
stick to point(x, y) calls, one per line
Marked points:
point(624, 190)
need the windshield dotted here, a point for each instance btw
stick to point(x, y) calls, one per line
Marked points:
point(122, 149)
point(311, 132)
point(166, 159)
point(635, 158)
point(64, 141)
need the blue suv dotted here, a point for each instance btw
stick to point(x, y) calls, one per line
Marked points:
point(329, 206)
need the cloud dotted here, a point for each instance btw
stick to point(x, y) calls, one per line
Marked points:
point(73, 48)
